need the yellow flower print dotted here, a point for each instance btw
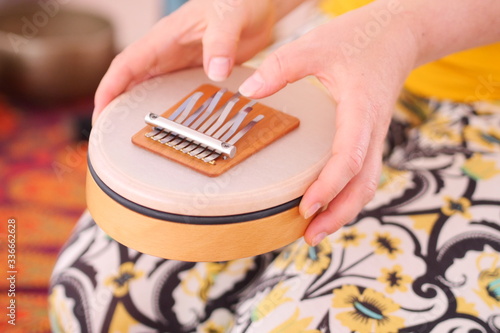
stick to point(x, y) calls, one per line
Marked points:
point(424, 222)
point(489, 139)
point(489, 287)
point(478, 168)
point(295, 325)
point(460, 206)
point(350, 237)
point(314, 259)
point(122, 321)
point(62, 318)
point(465, 307)
point(392, 180)
point(220, 321)
point(412, 109)
point(368, 311)
point(385, 244)
point(202, 278)
point(212, 327)
point(438, 130)
point(273, 299)
point(120, 282)
point(199, 280)
point(394, 279)
point(286, 256)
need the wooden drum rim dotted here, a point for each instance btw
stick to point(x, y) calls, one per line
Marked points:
point(190, 242)
point(189, 219)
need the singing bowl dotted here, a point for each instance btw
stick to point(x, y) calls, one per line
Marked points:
point(50, 54)
point(156, 206)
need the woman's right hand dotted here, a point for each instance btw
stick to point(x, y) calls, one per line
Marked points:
point(215, 33)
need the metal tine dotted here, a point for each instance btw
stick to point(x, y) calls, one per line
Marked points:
point(197, 149)
point(211, 108)
point(236, 137)
point(232, 125)
point(205, 153)
point(214, 101)
point(215, 126)
point(195, 114)
point(233, 100)
point(177, 138)
point(245, 129)
point(221, 118)
point(174, 115)
point(192, 101)
point(154, 132)
point(211, 130)
point(196, 146)
point(234, 122)
point(160, 135)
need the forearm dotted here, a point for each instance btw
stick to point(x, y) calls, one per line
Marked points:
point(447, 26)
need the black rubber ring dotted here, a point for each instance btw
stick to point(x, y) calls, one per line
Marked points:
point(201, 220)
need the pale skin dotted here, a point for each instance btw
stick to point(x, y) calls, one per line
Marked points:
point(364, 81)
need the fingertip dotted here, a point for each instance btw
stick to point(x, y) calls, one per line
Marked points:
point(100, 102)
point(309, 210)
point(317, 239)
point(220, 43)
point(219, 68)
point(319, 228)
point(251, 86)
point(314, 200)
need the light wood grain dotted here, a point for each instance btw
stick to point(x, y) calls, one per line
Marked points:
point(188, 242)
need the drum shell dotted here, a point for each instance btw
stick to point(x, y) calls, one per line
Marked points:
point(192, 242)
point(133, 194)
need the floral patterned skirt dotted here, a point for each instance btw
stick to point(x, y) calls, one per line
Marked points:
point(423, 256)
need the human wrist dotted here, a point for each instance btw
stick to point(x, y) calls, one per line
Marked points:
point(444, 27)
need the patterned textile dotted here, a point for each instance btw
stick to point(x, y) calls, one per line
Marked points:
point(42, 177)
point(423, 256)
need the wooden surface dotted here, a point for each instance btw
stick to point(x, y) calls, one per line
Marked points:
point(273, 126)
point(188, 242)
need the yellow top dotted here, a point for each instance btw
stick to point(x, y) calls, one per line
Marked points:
point(465, 76)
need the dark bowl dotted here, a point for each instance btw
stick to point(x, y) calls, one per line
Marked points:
point(52, 54)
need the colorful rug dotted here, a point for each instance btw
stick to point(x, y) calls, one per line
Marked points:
point(42, 177)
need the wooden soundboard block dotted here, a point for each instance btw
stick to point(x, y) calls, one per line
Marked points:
point(273, 126)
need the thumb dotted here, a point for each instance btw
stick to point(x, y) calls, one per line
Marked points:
point(287, 64)
point(220, 40)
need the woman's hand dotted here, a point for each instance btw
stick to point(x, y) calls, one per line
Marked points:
point(214, 33)
point(362, 58)
point(363, 71)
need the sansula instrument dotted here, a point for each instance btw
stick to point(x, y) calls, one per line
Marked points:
point(182, 168)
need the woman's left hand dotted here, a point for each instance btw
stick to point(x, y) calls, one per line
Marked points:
point(365, 80)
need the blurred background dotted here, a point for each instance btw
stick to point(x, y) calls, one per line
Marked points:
point(52, 55)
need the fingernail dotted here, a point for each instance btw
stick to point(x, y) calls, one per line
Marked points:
point(318, 238)
point(312, 210)
point(253, 84)
point(218, 68)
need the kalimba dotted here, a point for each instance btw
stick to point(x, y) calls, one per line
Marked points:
point(184, 169)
